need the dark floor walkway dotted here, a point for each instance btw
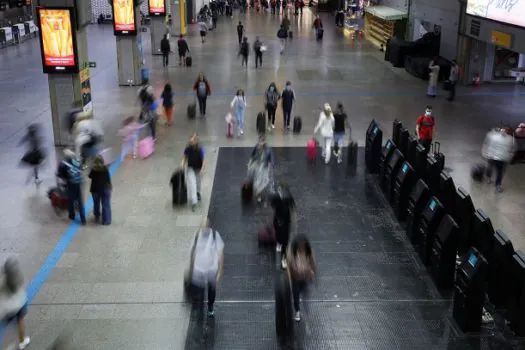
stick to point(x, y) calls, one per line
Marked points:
point(372, 291)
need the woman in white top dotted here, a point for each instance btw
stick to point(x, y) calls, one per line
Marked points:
point(239, 105)
point(326, 126)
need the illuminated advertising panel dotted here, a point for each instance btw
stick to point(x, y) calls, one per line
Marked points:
point(57, 40)
point(124, 17)
point(505, 11)
point(157, 7)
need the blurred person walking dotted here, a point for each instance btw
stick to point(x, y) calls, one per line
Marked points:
point(288, 99)
point(244, 52)
point(101, 189)
point(35, 153)
point(283, 206)
point(194, 164)
point(239, 105)
point(498, 150)
point(271, 98)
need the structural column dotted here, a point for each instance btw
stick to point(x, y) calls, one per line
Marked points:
point(66, 90)
point(130, 56)
point(178, 16)
point(158, 30)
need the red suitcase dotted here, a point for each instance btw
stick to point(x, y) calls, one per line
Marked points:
point(311, 147)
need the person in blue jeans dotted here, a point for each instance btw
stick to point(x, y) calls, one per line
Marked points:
point(101, 190)
point(70, 170)
point(239, 105)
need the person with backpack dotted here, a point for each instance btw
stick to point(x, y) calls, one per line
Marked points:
point(13, 299)
point(318, 27)
point(244, 51)
point(258, 50)
point(70, 171)
point(183, 48)
point(271, 98)
point(165, 49)
point(193, 163)
point(425, 128)
point(202, 90)
point(240, 32)
point(282, 34)
point(239, 105)
point(288, 99)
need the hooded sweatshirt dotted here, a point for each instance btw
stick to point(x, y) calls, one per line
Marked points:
point(325, 125)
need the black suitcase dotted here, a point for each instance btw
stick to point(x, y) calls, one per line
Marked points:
point(283, 307)
point(178, 187)
point(477, 172)
point(297, 125)
point(188, 61)
point(320, 33)
point(261, 123)
point(435, 152)
point(192, 110)
point(247, 191)
point(352, 153)
point(290, 34)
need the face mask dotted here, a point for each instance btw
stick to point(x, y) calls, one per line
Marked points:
point(272, 88)
point(287, 87)
point(428, 113)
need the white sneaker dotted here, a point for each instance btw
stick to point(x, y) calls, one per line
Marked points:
point(242, 132)
point(283, 263)
point(297, 316)
point(278, 248)
point(326, 161)
point(25, 343)
point(273, 126)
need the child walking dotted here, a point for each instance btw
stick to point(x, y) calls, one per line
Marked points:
point(167, 103)
point(130, 137)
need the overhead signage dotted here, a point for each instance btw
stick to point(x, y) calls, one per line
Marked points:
point(509, 12)
point(124, 17)
point(58, 40)
point(157, 7)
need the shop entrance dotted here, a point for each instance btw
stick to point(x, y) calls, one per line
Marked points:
point(504, 61)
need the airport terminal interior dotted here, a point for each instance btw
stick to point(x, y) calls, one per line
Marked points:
point(120, 286)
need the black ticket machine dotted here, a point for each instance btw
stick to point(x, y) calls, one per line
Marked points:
point(403, 142)
point(387, 152)
point(392, 167)
point(500, 262)
point(444, 249)
point(397, 125)
point(469, 294)
point(427, 228)
point(417, 200)
point(403, 184)
point(373, 149)
point(516, 301)
point(463, 214)
point(446, 191)
point(420, 161)
point(482, 233)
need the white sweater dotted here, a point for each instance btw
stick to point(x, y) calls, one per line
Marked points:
point(326, 125)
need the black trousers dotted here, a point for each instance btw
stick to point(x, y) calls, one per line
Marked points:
point(240, 38)
point(198, 294)
point(452, 91)
point(271, 113)
point(74, 196)
point(287, 115)
point(282, 234)
point(297, 289)
point(499, 167)
point(426, 144)
point(244, 60)
point(202, 104)
point(165, 59)
point(258, 59)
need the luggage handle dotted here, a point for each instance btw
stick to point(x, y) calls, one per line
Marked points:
point(436, 147)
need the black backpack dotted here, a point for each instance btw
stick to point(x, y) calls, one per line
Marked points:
point(14, 279)
point(145, 97)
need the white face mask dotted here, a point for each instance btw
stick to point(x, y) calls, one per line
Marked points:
point(428, 113)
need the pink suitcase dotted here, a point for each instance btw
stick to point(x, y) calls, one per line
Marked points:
point(146, 147)
point(311, 148)
point(230, 127)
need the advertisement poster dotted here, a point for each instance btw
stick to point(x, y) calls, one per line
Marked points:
point(57, 41)
point(157, 7)
point(506, 11)
point(85, 89)
point(124, 17)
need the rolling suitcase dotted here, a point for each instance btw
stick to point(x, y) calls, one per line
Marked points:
point(146, 147)
point(192, 110)
point(477, 172)
point(311, 149)
point(266, 235)
point(352, 153)
point(230, 127)
point(188, 61)
point(297, 125)
point(178, 187)
point(283, 307)
point(247, 191)
point(261, 123)
point(435, 152)
point(290, 34)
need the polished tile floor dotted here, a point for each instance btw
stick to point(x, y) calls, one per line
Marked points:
point(119, 286)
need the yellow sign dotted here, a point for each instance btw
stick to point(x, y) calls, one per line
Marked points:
point(501, 39)
point(84, 75)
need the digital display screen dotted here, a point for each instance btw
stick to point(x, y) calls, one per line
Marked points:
point(505, 11)
point(157, 7)
point(375, 130)
point(404, 168)
point(57, 40)
point(472, 260)
point(432, 205)
point(124, 17)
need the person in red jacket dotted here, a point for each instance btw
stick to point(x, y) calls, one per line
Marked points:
point(425, 128)
point(202, 90)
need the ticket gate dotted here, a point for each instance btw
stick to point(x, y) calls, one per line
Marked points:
point(463, 214)
point(397, 125)
point(420, 161)
point(482, 233)
point(446, 191)
point(469, 291)
point(410, 153)
point(403, 141)
point(418, 198)
point(395, 162)
point(432, 174)
point(444, 249)
point(403, 184)
point(371, 127)
point(373, 148)
point(500, 261)
point(427, 227)
point(515, 304)
point(387, 152)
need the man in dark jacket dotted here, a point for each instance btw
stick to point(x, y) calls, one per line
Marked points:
point(288, 98)
point(240, 32)
point(182, 45)
point(165, 49)
point(257, 48)
point(244, 51)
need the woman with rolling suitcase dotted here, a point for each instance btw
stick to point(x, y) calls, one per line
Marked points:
point(260, 169)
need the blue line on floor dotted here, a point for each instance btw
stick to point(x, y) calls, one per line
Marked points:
point(59, 249)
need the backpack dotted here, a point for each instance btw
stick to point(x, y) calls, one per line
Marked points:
point(145, 97)
point(244, 49)
point(281, 34)
point(13, 275)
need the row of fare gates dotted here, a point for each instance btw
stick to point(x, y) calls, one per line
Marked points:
point(17, 33)
point(456, 242)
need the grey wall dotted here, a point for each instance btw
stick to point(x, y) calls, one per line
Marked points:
point(401, 5)
point(444, 13)
point(488, 26)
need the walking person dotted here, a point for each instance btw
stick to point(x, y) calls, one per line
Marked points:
point(258, 50)
point(240, 32)
point(165, 49)
point(203, 30)
point(70, 172)
point(244, 51)
point(13, 299)
point(282, 34)
point(318, 27)
point(148, 114)
point(193, 163)
point(498, 150)
point(239, 105)
point(452, 80)
point(326, 125)
point(271, 98)
point(167, 103)
point(202, 90)
point(283, 206)
point(301, 269)
point(35, 154)
point(260, 169)
point(340, 124)
point(285, 23)
point(183, 49)
point(425, 128)
point(288, 99)
point(101, 189)
point(434, 77)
